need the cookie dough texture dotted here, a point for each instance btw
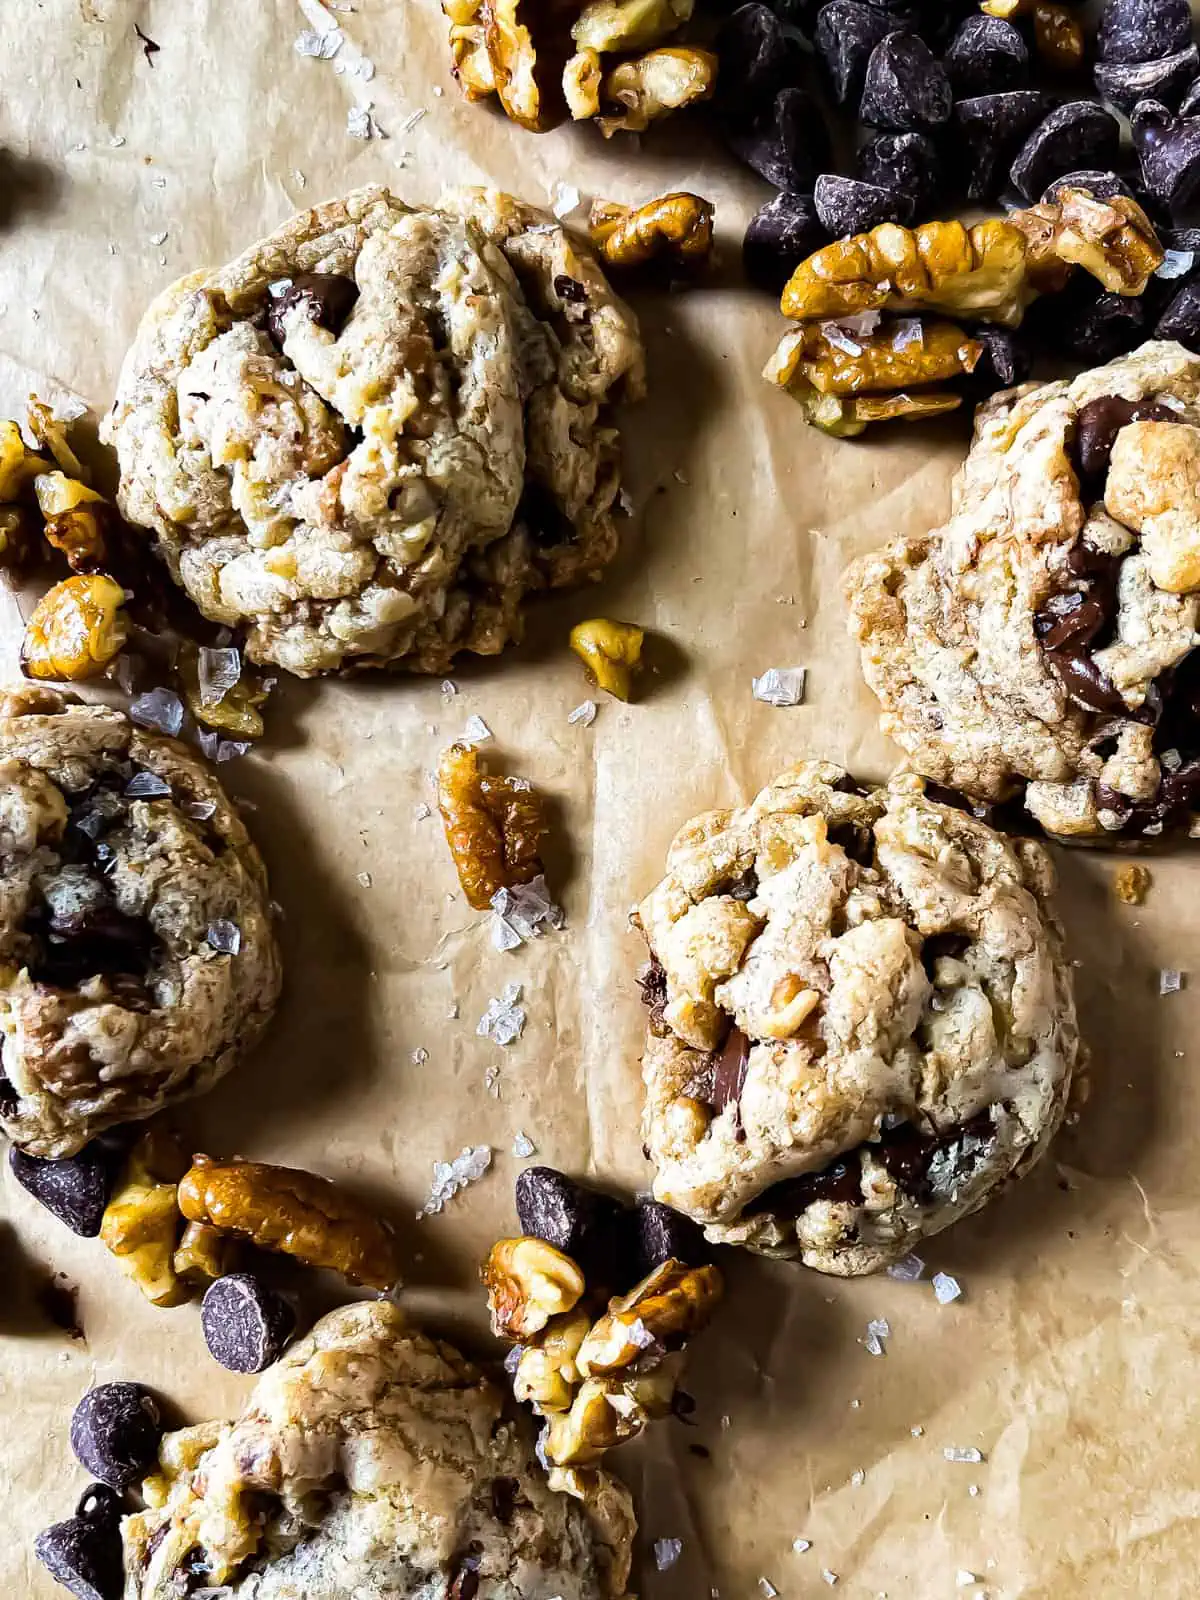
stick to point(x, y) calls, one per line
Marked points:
point(370, 1462)
point(113, 1003)
point(946, 621)
point(891, 973)
point(387, 491)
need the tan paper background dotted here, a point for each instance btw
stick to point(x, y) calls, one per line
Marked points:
point(1070, 1360)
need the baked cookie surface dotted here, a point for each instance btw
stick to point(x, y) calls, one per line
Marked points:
point(370, 1462)
point(367, 439)
point(861, 1022)
point(1042, 638)
point(137, 955)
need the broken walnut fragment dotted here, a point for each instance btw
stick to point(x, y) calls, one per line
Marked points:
point(494, 826)
point(676, 227)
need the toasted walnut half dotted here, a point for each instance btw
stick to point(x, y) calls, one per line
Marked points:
point(494, 825)
point(50, 435)
point(653, 85)
point(141, 1222)
point(581, 85)
point(846, 416)
point(666, 1308)
point(72, 514)
point(528, 1282)
point(528, 42)
point(546, 1376)
point(470, 62)
point(677, 226)
point(75, 629)
point(884, 362)
point(611, 651)
point(293, 1212)
point(1113, 239)
point(619, 25)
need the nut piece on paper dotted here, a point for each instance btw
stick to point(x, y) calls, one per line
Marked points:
point(494, 826)
point(1078, 698)
point(650, 87)
point(296, 1213)
point(76, 629)
point(141, 1224)
point(455, 1502)
point(611, 652)
point(677, 228)
point(935, 935)
point(528, 1282)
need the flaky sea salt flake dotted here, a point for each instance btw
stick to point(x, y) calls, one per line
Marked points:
point(1176, 264)
point(1170, 981)
point(159, 709)
point(945, 1288)
point(523, 1147)
point(667, 1552)
point(224, 936)
point(218, 672)
point(476, 730)
point(963, 1454)
point(906, 1271)
point(364, 878)
point(147, 786)
point(523, 913)
point(768, 1588)
point(449, 1177)
point(780, 686)
point(830, 1577)
point(419, 1056)
point(878, 1329)
point(801, 1545)
point(359, 122)
point(565, 199)
point(321, 46)
point(964, 1579)
point(412, 119)
point(421, 811)
point(504, 1020)
point(583, 715)
point(199, 810)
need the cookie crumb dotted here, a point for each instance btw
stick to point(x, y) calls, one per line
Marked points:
point(1131, 883)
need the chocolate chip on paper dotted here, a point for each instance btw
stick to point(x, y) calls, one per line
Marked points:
point(986, 56)
point(84, 1552)
point(115, 1432)
point(847, 206)
point(781, 234)
point(1079, 134)
point(846, 34)
point(75, 1189)
point(246, 1325)
point(1143, 30)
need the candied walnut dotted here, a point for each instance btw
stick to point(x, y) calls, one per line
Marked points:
point(1131, 884)
point(1112, 239)
point(203, 1254)
point(611, 651)
point(75, 629)
point(527, 44)
point(667, 1307)
point(581, 85)
point(141, 1222)
point(50, 435)
point(19, 465)
point(494, 825)
point(469, 59)
point(546, 1376)
point(676, 226)
point(72, 520)
point(528, 1282)
point(293, 1212)
point(883, 361)
point(581, 1436)
point(1058, 37)
point(653, 85)
point(618, 25)
point(847, 416)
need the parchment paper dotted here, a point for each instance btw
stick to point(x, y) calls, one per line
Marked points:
point(1069, 1361)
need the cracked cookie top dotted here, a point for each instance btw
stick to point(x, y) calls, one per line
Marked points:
point(370, 436)
point(370, 1461)
point(1042, 640)
point(861, 1020)
point(137, 955)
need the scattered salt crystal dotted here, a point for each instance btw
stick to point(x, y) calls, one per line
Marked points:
point(364, 68)
point(523, 913)
point(768, 1588)
point(523, 1147)
point(909, 333)
point(451, 1176)
point(946, 1288)
point(565, 198)
point(364, 878)
point(858, 1477)
point(358, 122)
point(801, 1545)
point(298, 178)
point(973, 1490)
point(961, 1453)
point(158, 238)
point(449, 687)
point(319, 46)
point(625, 501)
point(117, 140)
point(421, 811)
point(419, 1056)
point(839, 340)
point(504, 1019)
point(146, 786)
point(1171, 760)
point(199, 810)
point(491, 1081)
point(218, 749)
point(476, 730)
point(218, 671)
point(412, 119)
point(1176, 263)
point(160, 709)
point(965, 1579)
point(224, 936)
point(584, 713)
point(1170, 981)
point(917, 1432)
point(906, 1271)
point(452, 1014)
point(780, 686)
point(862, 323)
point(878, 1329)
point(726, 1422)
point(667, 1552)
point(830, 1577)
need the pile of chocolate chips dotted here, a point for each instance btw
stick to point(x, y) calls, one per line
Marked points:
point(861, 112)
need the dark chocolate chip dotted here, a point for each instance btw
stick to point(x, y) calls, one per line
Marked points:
point(730, 1077)
point(1079, 134)
point(838, 1184)
point(1099, 184)
point(653, 984)
point(989, 130)
point(1182, 787)
point(1086, 682)
point(568, 288)
point(847, 205)
point(787, 145)
point(1143, 30)
point(1098, 424)
point(84, 1552)
point(1088, 322)
point(663, 1234)
point(326, 298)
point(465, 1585)
point(758, 58)
point(744, 887)
point(783, 234)
point(846, 34)
point(907, 163)
point(1073, 618)
point(906, 86)
point(100, 1503)
point(986, 56)
point(1006, 360)
point(1181, 319)
point(246, 1325)
point(1124, 83)
point(505, 1493)
point(588, 1226)
point(75, 1189)
point(115, 1432)
point(856, 839)
point(1168, 152)
point(1189, 106)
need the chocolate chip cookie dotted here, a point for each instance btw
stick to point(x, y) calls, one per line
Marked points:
point(861, 1020)
point(371, 1461)
point(1042, 641)
point(371, 436)
point(137, 956)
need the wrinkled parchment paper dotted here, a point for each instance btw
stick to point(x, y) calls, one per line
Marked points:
point(1068, 1361)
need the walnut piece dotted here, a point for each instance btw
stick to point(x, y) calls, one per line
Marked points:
point(203, 1254)
point(75, 629)
point(546, 1376)
point(72, 520)
point(527, 43)
point(667, 1307)
point(1131, 883)
point(19, 465)
point(1113, 239)
point(611, 651)
point(620, 25)
point(494, 825)
point(883, 361)
point(1058, 37)
point(677, 226)
point(528, 1282)
point(293, 1212)
point(141, 1222)
point(650, 86)
point(581, 85)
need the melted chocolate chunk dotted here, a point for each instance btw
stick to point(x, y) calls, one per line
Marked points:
point(653, 984)
point(1086, 682)
point(1073, 618)
point(856, 840)
point(567, 288)
point(745, 887)
point(839, 1184)
point(1097, 427)
point(939, 945)
point(907, 1152)
point(326, 298)
point(729, 1079)
point(504, 1499)
point(547, 522)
